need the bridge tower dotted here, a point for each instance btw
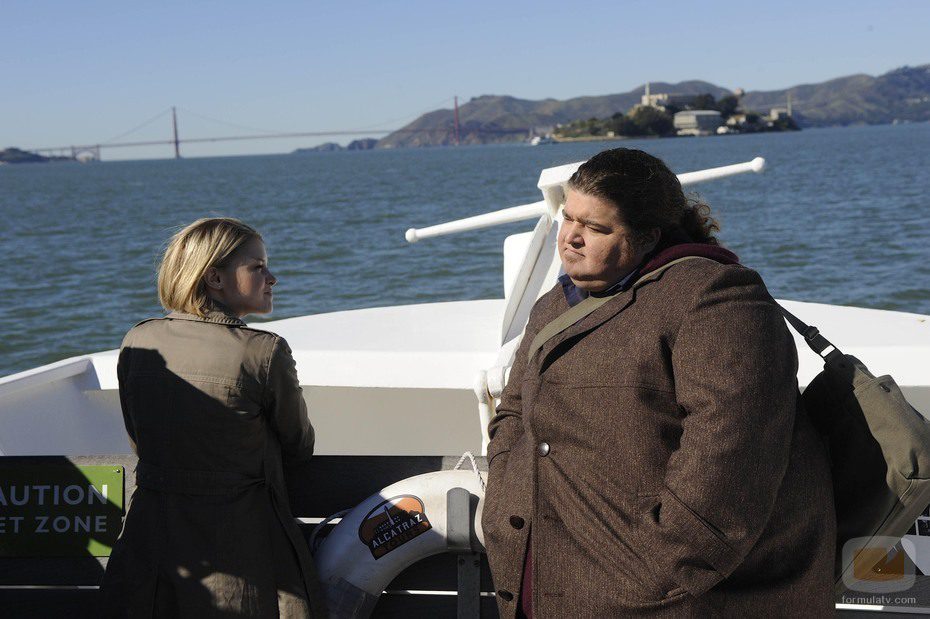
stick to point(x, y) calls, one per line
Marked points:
point(456, 120)
point(174, 124)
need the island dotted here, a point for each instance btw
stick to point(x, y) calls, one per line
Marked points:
point(666, 115)
point(329, 147)
point(16, 155)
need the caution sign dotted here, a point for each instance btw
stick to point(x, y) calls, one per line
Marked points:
point(393, 523)
point(60, 510)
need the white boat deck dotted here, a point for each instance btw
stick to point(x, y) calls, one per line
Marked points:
point(429, 345)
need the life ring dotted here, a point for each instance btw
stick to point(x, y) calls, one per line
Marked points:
point(393, 529)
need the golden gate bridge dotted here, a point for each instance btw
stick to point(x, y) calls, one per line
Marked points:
point(88, 152)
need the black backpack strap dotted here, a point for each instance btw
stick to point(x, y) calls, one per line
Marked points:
point(811, 335)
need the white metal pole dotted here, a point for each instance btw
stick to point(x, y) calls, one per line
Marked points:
point(538, 209)
point(690, 178)
point(504, 216)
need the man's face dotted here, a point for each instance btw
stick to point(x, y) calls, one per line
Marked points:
point(597, 249)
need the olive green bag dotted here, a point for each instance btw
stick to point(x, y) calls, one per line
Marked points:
point(879, 446)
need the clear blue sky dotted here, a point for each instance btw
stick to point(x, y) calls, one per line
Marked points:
point(86, 72)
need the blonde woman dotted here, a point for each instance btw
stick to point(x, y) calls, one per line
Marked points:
point(212, 407)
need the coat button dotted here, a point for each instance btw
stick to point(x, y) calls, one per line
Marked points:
point(517, 522)
point(543, 449)
point(504, 595)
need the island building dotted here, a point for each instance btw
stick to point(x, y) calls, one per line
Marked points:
point(697, 122)
point(737, 121)
point(661, 100)
point(544, 131)
point(777, 113)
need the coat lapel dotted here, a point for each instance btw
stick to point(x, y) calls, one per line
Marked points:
point(588, 323)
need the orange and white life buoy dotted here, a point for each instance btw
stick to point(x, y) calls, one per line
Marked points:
point(393, 529)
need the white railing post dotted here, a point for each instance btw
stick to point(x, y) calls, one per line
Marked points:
point(551, 181)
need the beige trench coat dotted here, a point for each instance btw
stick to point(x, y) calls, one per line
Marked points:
point(212, 407)
point(656, 456)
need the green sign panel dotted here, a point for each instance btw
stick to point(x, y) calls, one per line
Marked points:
point(59, 510)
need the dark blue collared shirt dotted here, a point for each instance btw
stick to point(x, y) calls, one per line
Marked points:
point(575, 295)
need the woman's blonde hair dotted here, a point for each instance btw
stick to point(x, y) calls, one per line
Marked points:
point(203, 244)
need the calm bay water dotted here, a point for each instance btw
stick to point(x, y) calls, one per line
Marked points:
point(839, 217)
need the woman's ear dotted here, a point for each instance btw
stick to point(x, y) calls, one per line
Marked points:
point(212, 279)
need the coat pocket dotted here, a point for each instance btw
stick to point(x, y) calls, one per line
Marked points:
point(508, 494)
point(665, 586)
point(241, 402)
point(494, 494)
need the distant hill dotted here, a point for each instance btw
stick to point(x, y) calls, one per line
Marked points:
point(902, 94)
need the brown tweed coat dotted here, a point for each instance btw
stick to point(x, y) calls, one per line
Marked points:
point(658, 454)
point(213, 407)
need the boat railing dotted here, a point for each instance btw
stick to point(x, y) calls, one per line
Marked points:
point(557, 177)
point(38, 377)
